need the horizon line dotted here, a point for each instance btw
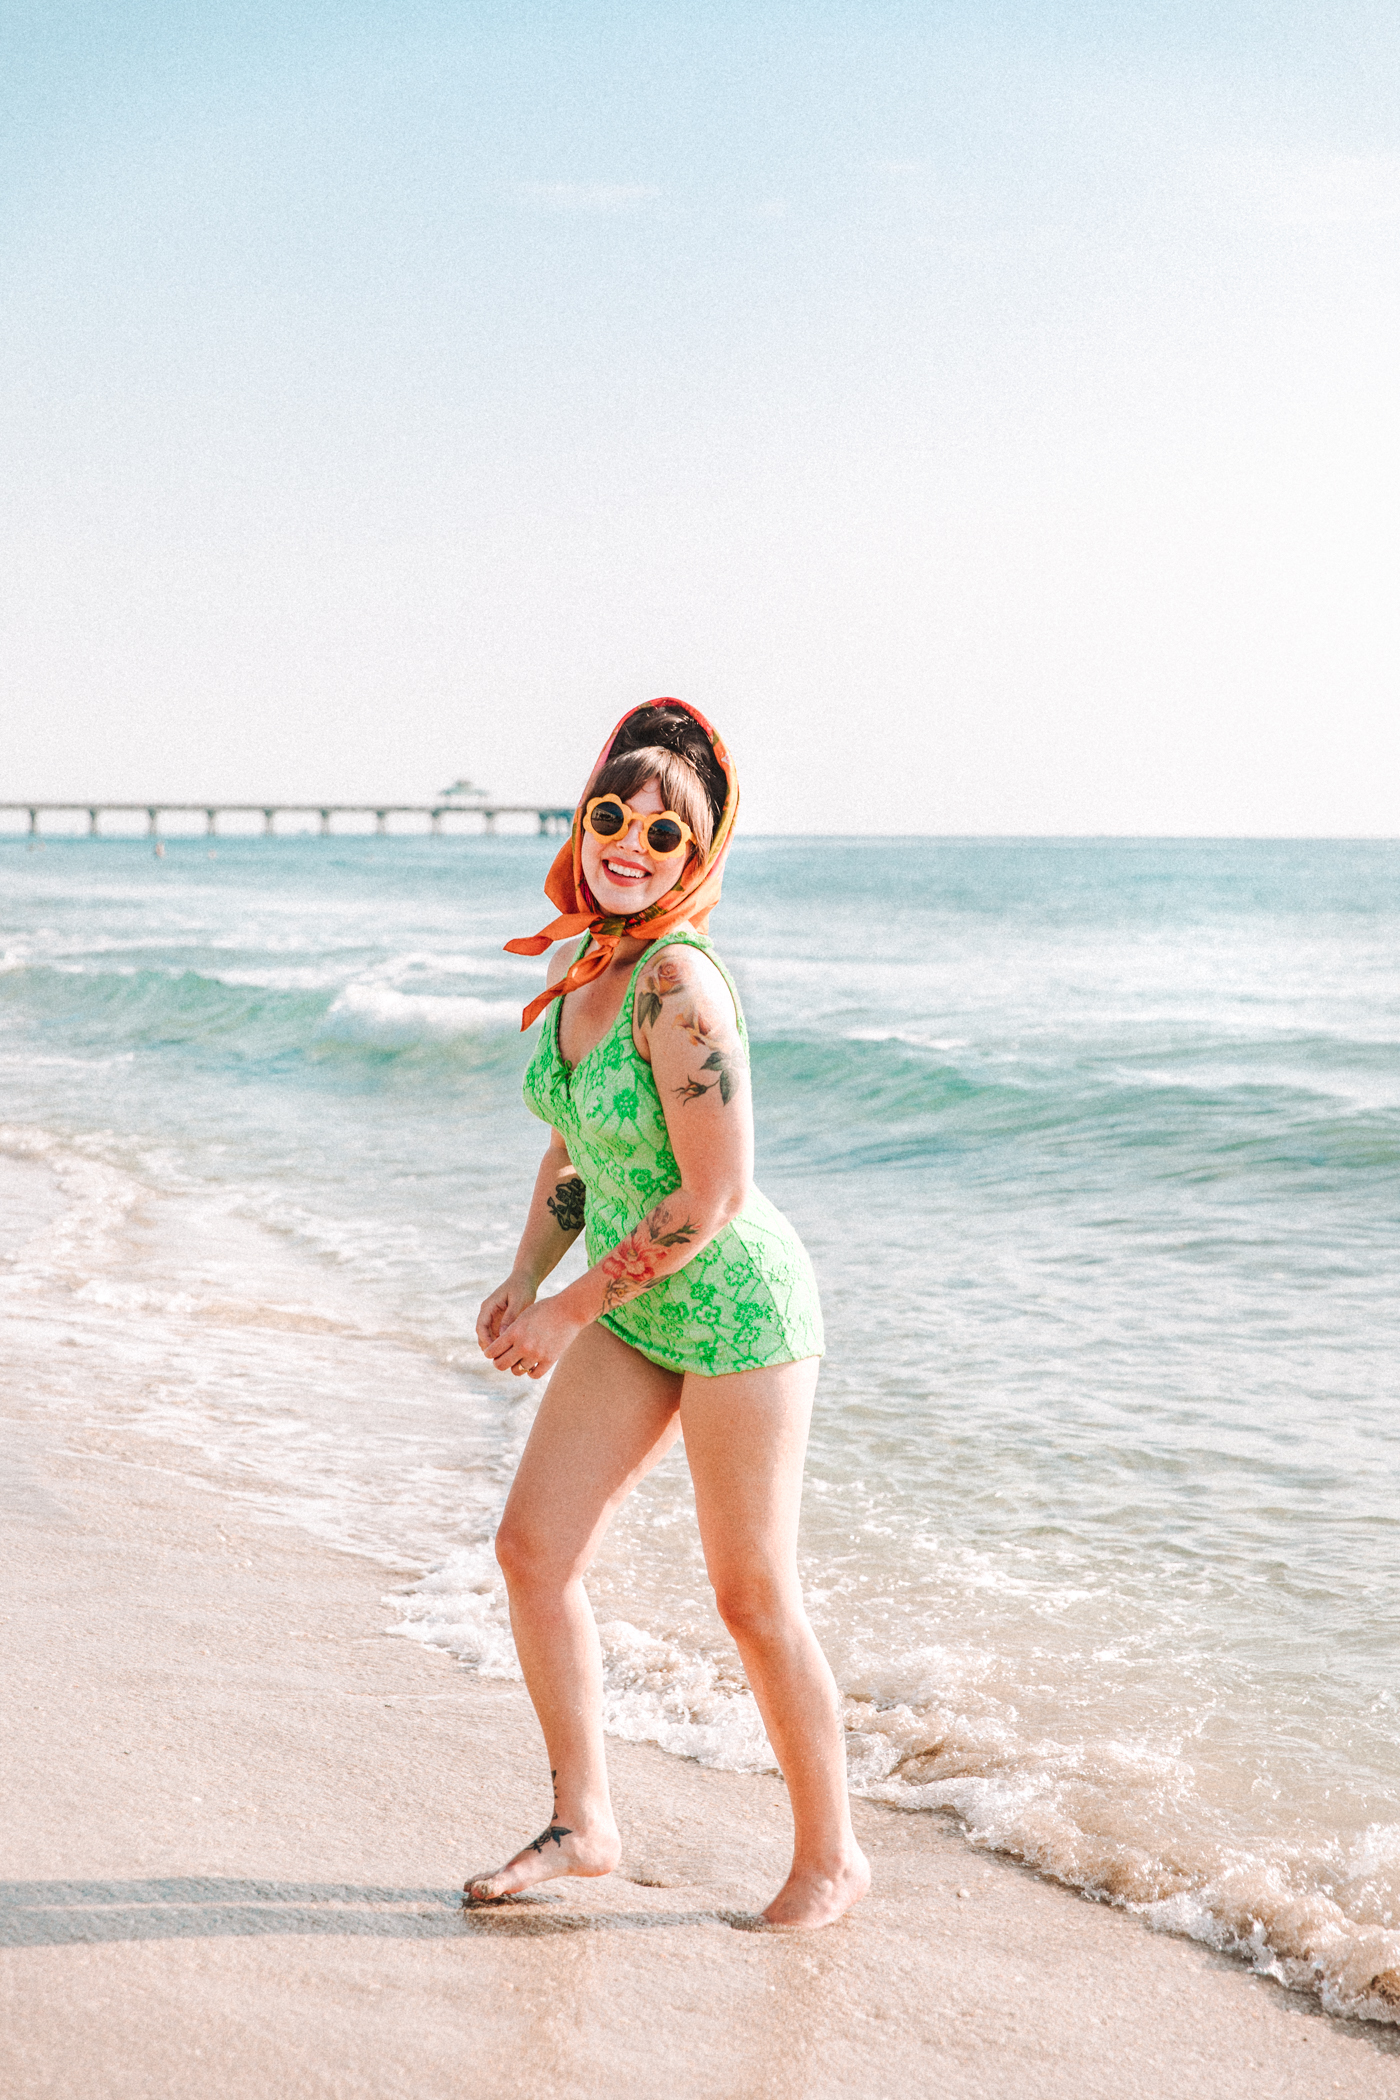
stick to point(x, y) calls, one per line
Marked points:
point(1281, 838)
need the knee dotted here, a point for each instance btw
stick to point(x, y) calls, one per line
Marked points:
point(525, 1559)
point(755, 1607)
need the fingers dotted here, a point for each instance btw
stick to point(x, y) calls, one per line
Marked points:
point(494, 1310)
point(522, 1361)
point(502, 1346)
point(522, 1364)
point(517, 1353)
point(524, 1337)
point(509, 1352)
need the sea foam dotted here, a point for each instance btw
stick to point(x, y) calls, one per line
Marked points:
point(386, 1019)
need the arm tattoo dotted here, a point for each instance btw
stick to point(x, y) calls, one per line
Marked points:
point(639, 1259)
point(662, 981)
point(722, 1065)
point(567, 1203)
point(724, 1061)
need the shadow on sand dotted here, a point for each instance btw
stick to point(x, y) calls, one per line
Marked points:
point(59, 1913)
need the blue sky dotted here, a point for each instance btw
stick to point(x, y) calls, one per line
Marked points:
point(988, 414)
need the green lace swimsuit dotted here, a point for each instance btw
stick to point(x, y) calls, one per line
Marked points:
point(748, 1299)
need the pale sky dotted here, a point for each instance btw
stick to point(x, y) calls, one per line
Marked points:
point(989, 414)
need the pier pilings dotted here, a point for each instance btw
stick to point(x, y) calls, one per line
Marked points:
point(549, 818)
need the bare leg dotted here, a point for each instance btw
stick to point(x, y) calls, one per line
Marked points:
point(746, 1438)
point(606, 1418)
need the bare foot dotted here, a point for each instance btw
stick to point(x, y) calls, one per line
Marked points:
point(555, 1851)
point(813, 1899)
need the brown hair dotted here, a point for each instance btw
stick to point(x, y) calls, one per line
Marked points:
point(681, 787)
point(659, 727)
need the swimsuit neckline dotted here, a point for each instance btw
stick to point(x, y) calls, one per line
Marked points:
point(626, 1007)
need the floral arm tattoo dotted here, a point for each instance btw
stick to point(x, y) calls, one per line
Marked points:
point(724, 1062)
point(567, 1203)
point(638, 1260)
point(721, 1063)
point(661, 980)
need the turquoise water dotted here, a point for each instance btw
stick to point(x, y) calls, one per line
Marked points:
point(1095, 1146)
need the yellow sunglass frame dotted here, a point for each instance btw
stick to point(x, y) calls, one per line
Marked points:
point(646, 818)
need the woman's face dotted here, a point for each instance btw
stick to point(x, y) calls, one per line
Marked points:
point(623, 873)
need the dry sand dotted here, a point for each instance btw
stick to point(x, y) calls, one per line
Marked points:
point(237, 1816)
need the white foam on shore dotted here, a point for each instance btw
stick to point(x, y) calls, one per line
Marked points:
point(693, 1705)
point(1119, 1819)
point(77, 1238)
point(461, 1607)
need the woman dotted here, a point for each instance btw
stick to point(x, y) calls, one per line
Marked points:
point(699, 1315)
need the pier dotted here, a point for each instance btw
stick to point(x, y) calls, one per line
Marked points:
point(549, 820)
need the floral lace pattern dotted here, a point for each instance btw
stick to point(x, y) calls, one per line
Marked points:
point(748, 1299)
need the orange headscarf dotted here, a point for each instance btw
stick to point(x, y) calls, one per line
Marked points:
point(690, 903)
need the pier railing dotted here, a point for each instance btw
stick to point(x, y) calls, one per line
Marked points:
point(549, 819)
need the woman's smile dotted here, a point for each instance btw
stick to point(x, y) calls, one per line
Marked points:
point(622, 874)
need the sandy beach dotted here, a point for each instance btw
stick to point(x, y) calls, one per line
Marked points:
point(238, 1812)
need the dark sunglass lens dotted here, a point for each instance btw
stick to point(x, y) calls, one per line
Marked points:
point(608, 819)
point(665, 836)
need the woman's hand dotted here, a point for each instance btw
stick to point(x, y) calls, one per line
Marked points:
point(506, 1303)
point(533, 1342)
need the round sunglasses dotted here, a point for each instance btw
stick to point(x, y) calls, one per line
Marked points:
point(666, 834)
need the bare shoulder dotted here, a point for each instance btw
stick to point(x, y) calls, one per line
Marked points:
point(680, 985)
point(561, 961)
point(686, 1026)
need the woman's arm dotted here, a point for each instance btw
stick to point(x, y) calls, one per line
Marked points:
point(554, 1223)
point(685, 1022)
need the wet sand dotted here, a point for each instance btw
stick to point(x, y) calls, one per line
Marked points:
point(237, 1814)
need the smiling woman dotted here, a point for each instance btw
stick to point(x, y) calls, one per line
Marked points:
point(699, 1313)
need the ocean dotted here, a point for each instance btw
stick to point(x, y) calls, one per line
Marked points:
point(1096, 1148)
